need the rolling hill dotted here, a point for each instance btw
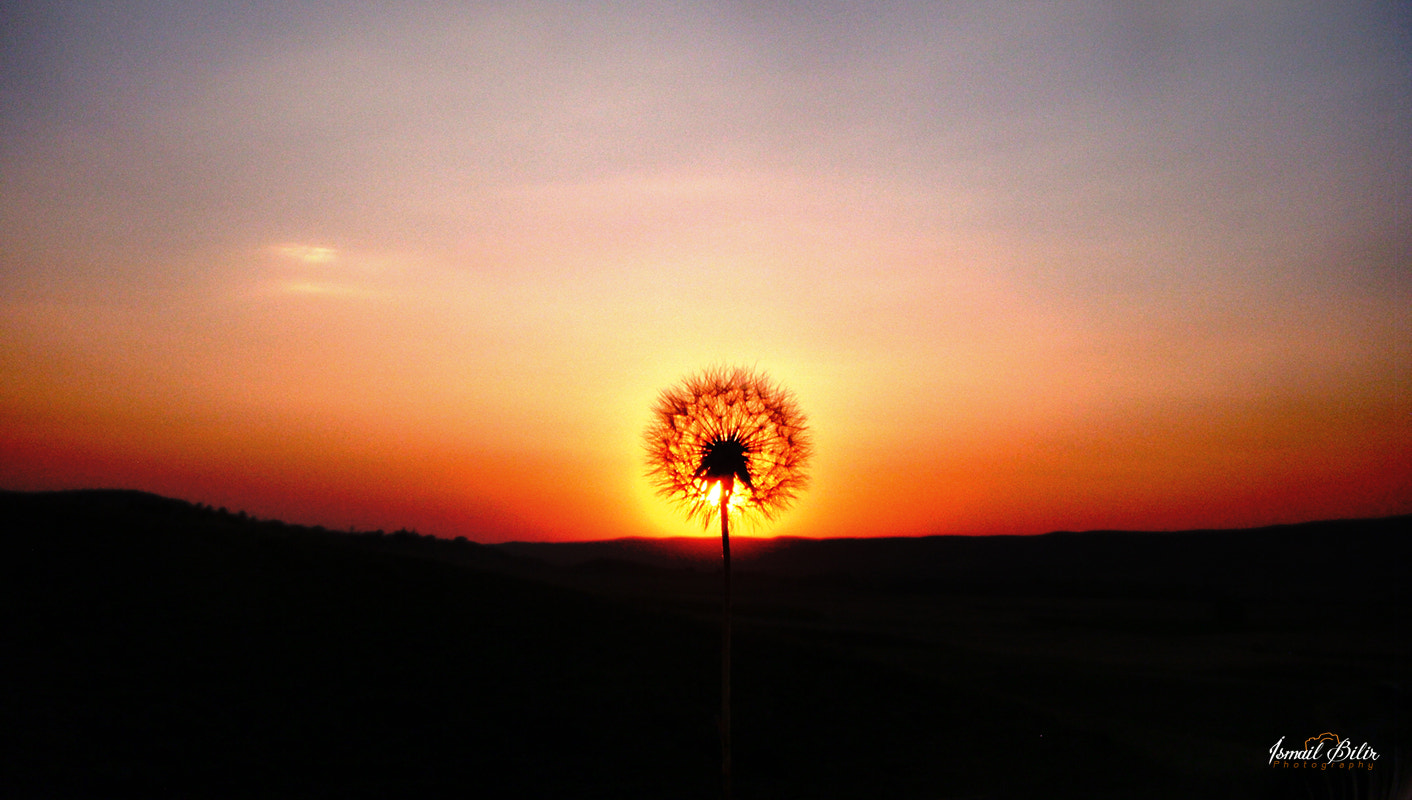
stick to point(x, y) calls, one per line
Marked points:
point(157, 648)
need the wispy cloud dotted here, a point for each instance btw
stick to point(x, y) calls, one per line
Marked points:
point(309, 254)
point(318, 270)
point(324, 289)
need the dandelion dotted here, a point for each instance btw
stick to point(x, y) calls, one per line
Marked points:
point(728, 442)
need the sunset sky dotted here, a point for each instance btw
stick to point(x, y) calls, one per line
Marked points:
point(1026, 267)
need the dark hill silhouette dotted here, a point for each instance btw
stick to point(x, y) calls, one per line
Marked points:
point(157, 648)
point(1323, 567)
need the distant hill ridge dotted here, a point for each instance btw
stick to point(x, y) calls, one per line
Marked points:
point(1306, 560)
point(131, 510)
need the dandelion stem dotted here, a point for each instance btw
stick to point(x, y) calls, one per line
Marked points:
point(726, 643)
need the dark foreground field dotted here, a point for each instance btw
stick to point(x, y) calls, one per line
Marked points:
point(155, 649)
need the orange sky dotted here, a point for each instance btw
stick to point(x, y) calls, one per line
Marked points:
point(1025, 269)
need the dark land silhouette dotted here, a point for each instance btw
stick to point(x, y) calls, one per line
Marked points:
point(156, 648)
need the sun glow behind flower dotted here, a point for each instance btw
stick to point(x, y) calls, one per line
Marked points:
point(728, 430)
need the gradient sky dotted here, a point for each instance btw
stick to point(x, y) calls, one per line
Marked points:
point(1026, 266)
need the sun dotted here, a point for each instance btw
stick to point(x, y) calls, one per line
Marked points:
point(712, 494)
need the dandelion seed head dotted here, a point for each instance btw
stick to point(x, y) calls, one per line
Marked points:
point(728, 431)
